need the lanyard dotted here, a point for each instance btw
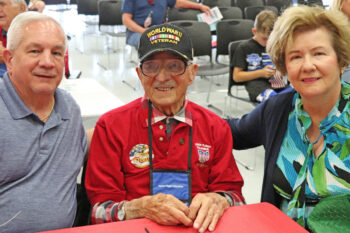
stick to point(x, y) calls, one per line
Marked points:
point(151, 148)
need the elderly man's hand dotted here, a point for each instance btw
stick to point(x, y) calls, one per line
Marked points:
point(164, 209)
point(206, 209)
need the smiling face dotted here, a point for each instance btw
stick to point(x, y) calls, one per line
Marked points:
point(312, 64)
point(36, 65)
point(8, 12)
point(167, 92)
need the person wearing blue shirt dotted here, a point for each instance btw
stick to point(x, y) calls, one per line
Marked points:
point(135, 13)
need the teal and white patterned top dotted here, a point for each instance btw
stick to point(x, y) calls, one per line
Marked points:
point(298, 172)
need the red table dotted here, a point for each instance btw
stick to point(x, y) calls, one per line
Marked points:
point(254, 218)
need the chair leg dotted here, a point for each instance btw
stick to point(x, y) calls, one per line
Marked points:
point(247, 166)
point(218, 110)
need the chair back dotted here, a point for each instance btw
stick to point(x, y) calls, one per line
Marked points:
point(175, 14)
point(279, 4)
point(244, 3)
point(232, 48)
point(87, 7)
point(200, 35)
point(110, 13)
point(250, 12)
point(232, 30)
point(218, 3)
point(231, 12)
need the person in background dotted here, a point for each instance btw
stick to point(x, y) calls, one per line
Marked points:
point(36, 5)
point(305, 132)
point(43, 141)
point(138, 15)
point(343, 6)
point(191, 177)
point(9, 9)
point(253, 66)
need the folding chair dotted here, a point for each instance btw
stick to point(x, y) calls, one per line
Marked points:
point(250, 12)
point(231, 12)
point(244, 3)
point(88, 9)
point(279, 4)
point(200, 35)
point(231, 30)
point(231, 83)
point(218, 3)
point(175, 14)
point(110, 20)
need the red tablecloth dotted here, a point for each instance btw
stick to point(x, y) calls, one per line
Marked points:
point(254, 218)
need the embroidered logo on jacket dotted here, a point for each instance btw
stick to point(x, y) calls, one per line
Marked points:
point(139, 155)
point(203, 152)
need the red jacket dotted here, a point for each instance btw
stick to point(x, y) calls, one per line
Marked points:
point(2, 38)
point(116, 166)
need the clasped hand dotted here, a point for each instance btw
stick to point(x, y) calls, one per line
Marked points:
point(203, 213)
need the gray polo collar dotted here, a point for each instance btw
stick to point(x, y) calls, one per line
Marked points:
point(19, 110)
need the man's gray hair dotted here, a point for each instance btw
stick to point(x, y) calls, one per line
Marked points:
point(18, 2)
point(16, 30)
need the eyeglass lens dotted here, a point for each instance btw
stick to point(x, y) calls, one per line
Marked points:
point(173, 66)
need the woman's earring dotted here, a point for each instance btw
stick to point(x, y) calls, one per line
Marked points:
point(342, 70)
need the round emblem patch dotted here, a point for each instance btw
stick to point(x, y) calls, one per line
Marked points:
point(139, 155)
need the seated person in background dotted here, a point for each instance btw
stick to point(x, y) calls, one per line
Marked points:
point(135, 13)
point(180, 136)
point(43, 142)
point(253, 66)
point(8, 10)
point(305, 132)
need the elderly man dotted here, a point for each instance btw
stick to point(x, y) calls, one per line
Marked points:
point(191, 177)
point(43, 141)
point(138, 15)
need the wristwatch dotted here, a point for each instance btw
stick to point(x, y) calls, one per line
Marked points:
point(227, 196)
point(121, 211)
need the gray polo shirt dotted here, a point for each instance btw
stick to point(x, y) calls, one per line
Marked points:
point(39, 163)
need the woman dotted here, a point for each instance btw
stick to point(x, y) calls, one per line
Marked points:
point(343, 6)
point(305, 132)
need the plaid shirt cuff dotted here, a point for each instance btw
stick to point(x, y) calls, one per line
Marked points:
point(104, 212)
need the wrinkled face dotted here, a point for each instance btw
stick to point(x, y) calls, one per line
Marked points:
point(8, 11)
point(312, 64)
point(36, 65)
point(164, 89)
point(345, 7)
point(261, 37)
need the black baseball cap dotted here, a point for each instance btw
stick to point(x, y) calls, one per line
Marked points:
point(165, 37)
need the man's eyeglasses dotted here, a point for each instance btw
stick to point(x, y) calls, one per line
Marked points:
point(176, 67)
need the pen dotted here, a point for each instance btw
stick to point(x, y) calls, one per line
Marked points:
point(147, 230)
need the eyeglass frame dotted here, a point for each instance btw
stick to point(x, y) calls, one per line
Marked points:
point(186, 62)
